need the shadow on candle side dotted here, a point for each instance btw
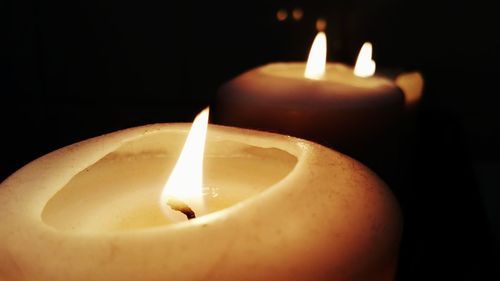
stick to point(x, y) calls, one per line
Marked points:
point(121, 190)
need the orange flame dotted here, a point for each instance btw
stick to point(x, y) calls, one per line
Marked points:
point(186, 180)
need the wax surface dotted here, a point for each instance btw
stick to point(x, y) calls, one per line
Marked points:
point(334, 73)
point(97, 200)
point(308, 213)
point(284, 85)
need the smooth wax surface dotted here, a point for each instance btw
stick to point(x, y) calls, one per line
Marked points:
point(293, 210)
point(97, 200)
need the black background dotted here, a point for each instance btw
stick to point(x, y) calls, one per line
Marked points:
point(77, 69)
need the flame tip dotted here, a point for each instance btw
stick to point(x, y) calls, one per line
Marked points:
point(365, 65)
point(316, 62)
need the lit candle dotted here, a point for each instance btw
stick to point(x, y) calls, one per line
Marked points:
point(347, 108)
point(272, 208)
point(412, 84)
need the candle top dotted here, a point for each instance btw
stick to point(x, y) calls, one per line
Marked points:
point(284, 85)
point(335, 73)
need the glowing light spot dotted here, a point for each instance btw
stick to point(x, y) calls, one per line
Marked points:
point(316, 62)
point(365, 66)
point(297, 14)
point(281, 15)
point(321, 24)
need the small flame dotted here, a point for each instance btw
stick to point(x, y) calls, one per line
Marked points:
point(316, 62)
point(186, 180)
point(297, 14)
point(365, 66)
point(281, 14)
point(320, 24)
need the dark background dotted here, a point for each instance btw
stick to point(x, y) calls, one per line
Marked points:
point(77, 69)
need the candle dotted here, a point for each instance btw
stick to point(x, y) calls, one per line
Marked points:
point(412, 84)
point(347, 108)
point(274, 208)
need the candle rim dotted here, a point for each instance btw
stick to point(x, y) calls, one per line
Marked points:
point(304, 94)
point(161, 148)
point(346, 70)
point(34, 216)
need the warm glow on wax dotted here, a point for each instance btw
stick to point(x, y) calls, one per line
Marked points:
point(186, 180)
point(316, 62)
point(365, 66)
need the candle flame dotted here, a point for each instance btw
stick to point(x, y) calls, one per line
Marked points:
point(281, 14)
point(365, 66)
point(297, 14)
point(316, 62)
point(185, 183)
point(320, 24)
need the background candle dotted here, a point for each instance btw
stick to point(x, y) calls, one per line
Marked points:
point(359, 116)
point(297, 211)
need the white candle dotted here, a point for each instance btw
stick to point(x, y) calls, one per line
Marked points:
point(277, 208)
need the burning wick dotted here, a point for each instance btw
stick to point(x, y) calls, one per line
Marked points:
point(178, 205)
point(185, 184)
